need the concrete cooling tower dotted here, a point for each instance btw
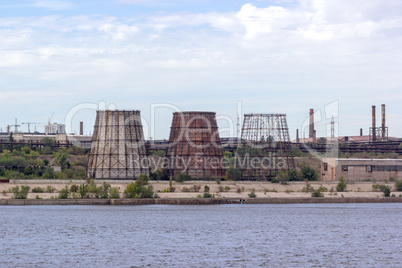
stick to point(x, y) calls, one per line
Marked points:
point(195, 146)
point(118, 147)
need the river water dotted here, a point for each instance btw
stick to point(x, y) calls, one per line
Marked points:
point(290, 235)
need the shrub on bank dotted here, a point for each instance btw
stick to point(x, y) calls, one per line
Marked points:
point(195, 188)
point(384, 188)
point(398, 185)
point(341, 186)
point(74, 188)
point(309, 173)
point(317, 193)
point(50, 189)
point(252, 194)
point(282, 177)
point(294, 175)
point(308, 188)
point(139, 190)
point(224, 189)
point(322, 189)
point(64, 193)
point(38, 190)
point(20, 193)
point(114, 193)
point(206, 192)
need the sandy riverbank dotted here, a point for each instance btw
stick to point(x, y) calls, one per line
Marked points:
point(262, 189)
point(198, 201)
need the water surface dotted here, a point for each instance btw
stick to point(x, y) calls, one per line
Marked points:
point(289, 235)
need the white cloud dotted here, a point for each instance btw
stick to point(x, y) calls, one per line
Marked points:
point(260, 20)
point(52, 4)
point(118, 31)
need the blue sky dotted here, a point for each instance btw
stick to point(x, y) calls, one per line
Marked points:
point(270, 56)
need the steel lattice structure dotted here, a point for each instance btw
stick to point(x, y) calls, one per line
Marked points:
point(195, 146)
point(265, 147)
point(118, 147)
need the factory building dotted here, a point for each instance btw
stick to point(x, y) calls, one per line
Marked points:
point(360, 169)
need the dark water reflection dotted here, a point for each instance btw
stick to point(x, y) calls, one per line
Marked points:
point(300, 235)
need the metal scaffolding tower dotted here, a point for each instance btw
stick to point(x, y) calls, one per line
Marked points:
point(265, 148)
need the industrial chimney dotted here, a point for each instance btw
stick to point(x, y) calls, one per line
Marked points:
point(311, 129)
point(297, 135)
point(81, 128)
point(383, 121)
point(373, 123)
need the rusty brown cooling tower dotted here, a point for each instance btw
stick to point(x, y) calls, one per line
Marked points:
point(311, 129)
point(118, 147)
point(195, 146)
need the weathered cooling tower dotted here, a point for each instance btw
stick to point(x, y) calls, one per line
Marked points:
point(265, 148)
point(118, 147)
point(195, 146)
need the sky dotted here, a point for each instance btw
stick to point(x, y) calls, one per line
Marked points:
point(64, 59)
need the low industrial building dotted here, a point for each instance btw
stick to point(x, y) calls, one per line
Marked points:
point(83, 141)
point(360, 169)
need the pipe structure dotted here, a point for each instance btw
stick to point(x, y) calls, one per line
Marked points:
point(311, 128)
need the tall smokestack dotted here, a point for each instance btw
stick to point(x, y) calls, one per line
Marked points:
point(373, 123)
point(311, 129)
point(361, 132)
point(81, 128)
point(297, 135)
point(383, 120)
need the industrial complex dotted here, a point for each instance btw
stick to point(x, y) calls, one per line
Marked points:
point(118, 149)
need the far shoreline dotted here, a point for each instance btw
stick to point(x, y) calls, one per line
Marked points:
point(199, 201)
